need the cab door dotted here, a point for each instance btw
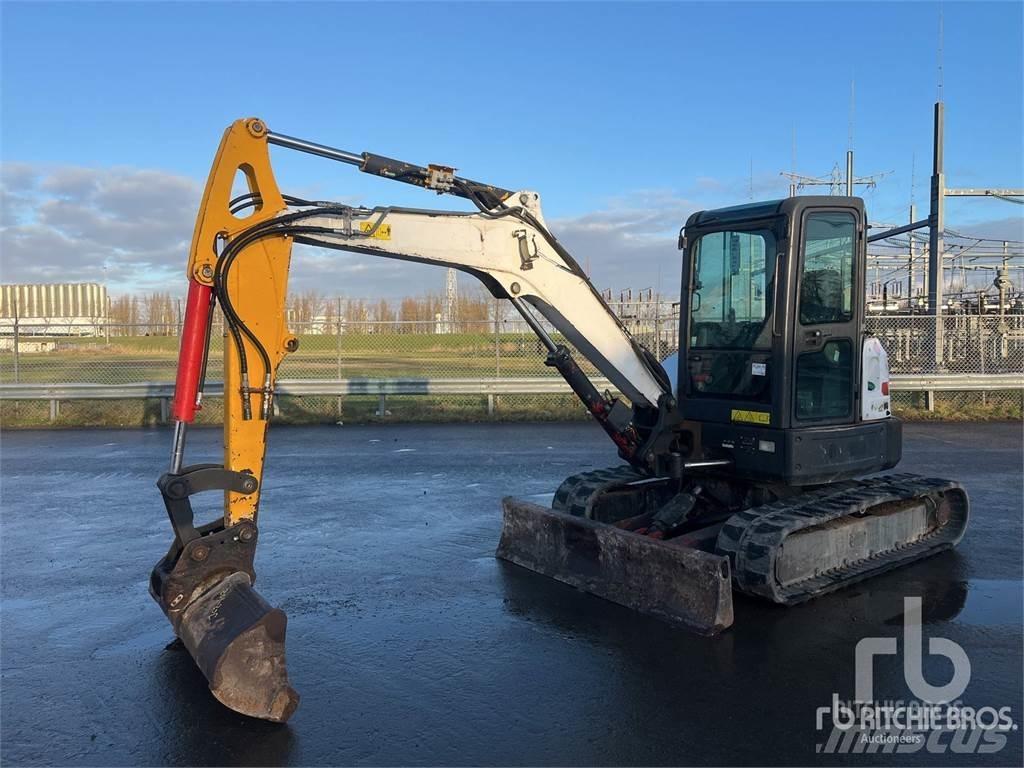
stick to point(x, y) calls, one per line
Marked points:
point(730, 351)
point(827, 322)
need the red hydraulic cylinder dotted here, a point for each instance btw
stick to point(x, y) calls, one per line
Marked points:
point(192, 351)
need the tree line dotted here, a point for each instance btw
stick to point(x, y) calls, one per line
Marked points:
point(163, 312)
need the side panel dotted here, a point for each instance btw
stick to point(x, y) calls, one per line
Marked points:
point(807, 456)
point(874, 381)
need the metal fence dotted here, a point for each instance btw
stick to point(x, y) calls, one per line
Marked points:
point(988, 347)
point(979, 344)
point(366, 349)
point(408, 370)
point(483, 351)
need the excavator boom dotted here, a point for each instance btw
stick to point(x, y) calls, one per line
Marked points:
point(239, 260)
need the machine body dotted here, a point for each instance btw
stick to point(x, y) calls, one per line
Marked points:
point(741, 460)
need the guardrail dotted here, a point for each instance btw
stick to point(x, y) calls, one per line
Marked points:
point(954, 382)
point(525, 385)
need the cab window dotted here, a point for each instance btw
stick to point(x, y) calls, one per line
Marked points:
point(730, 315)
point(826, 285)
point(731, 297)
point(824, 382)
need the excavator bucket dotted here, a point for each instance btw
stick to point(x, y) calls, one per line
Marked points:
point(679, 584)
point(237, 640)
point(235, 636)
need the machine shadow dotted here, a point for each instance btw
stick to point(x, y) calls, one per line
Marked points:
point(939, 581)
point(783, 660)
point(189, 710)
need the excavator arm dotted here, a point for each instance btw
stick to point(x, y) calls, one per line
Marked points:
point(239, 260)
point(243, 263)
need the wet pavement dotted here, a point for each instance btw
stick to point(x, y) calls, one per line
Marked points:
point(411, 644)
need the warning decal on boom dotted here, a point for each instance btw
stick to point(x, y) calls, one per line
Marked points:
point(383, 232)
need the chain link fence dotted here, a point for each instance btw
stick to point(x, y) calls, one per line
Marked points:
point(982, 345)
point(979, 344)
point(329, 350)
point(493, 349)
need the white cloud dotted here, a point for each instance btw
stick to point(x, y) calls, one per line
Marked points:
point(1010, 228)
point(125, 227)
point(632, 242)
point(130, 228)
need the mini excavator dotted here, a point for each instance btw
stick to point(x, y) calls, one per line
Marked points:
point(750, 461)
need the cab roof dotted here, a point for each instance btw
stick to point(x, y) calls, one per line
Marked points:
point(769, 208)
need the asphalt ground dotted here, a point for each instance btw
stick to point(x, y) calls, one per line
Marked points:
point(411, 644)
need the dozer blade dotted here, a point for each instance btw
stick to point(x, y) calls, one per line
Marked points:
point(680, 585)
point(237, 640)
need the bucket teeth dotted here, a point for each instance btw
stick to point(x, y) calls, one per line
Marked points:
point(237, 639)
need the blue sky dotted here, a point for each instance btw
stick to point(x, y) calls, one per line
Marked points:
point(625, 117)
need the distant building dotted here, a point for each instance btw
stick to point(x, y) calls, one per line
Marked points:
point(321, 325)
point(66, 309)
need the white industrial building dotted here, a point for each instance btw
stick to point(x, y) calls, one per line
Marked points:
point(73, 309)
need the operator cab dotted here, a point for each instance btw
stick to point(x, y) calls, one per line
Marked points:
point(775, 366)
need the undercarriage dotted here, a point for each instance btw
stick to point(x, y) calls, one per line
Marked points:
point(774, 542)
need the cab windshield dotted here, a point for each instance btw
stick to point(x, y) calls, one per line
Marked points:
point(732, 284)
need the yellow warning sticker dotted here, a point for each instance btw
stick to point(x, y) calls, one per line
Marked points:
point(383, 232)
point(752, 417)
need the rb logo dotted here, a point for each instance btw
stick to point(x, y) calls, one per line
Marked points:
point(913, 672)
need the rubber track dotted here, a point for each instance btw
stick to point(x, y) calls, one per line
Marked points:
point(577, 493)
point(752, 539)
